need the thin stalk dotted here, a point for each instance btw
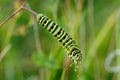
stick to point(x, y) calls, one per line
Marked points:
point(91, 18)
point(3, 53)
point(12, 15)
point(33, 12)
point(36, 35)
point(18, 10)
point(117, 37)
point(63, 74)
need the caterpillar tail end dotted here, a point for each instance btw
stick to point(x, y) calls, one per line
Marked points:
point(38, 17)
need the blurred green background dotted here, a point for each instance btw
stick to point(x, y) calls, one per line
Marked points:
point(32, 53)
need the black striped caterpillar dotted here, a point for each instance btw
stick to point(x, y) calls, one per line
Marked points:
point(64, 38)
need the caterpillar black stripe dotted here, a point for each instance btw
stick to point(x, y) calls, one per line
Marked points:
point(68, 43)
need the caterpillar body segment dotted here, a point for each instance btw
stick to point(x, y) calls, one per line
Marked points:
point(64, 38)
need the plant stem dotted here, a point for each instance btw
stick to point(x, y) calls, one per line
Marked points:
point(18, 10)
point(12, 15)
point(4, 52)
point(33, 12)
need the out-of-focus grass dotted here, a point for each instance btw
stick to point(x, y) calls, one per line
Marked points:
point(117, 37)
point(94, 25)
point(106, 28)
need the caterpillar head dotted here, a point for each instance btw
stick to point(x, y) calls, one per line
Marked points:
point(75, 55)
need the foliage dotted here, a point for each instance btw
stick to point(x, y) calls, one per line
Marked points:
point(94, 24)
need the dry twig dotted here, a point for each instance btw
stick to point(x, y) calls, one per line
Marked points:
point(18, 10)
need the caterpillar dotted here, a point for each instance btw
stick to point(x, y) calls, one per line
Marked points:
point(64, 38)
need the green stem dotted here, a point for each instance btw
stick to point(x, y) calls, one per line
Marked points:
point(117, 37)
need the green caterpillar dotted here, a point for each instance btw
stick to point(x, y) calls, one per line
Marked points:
point(68, 43)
